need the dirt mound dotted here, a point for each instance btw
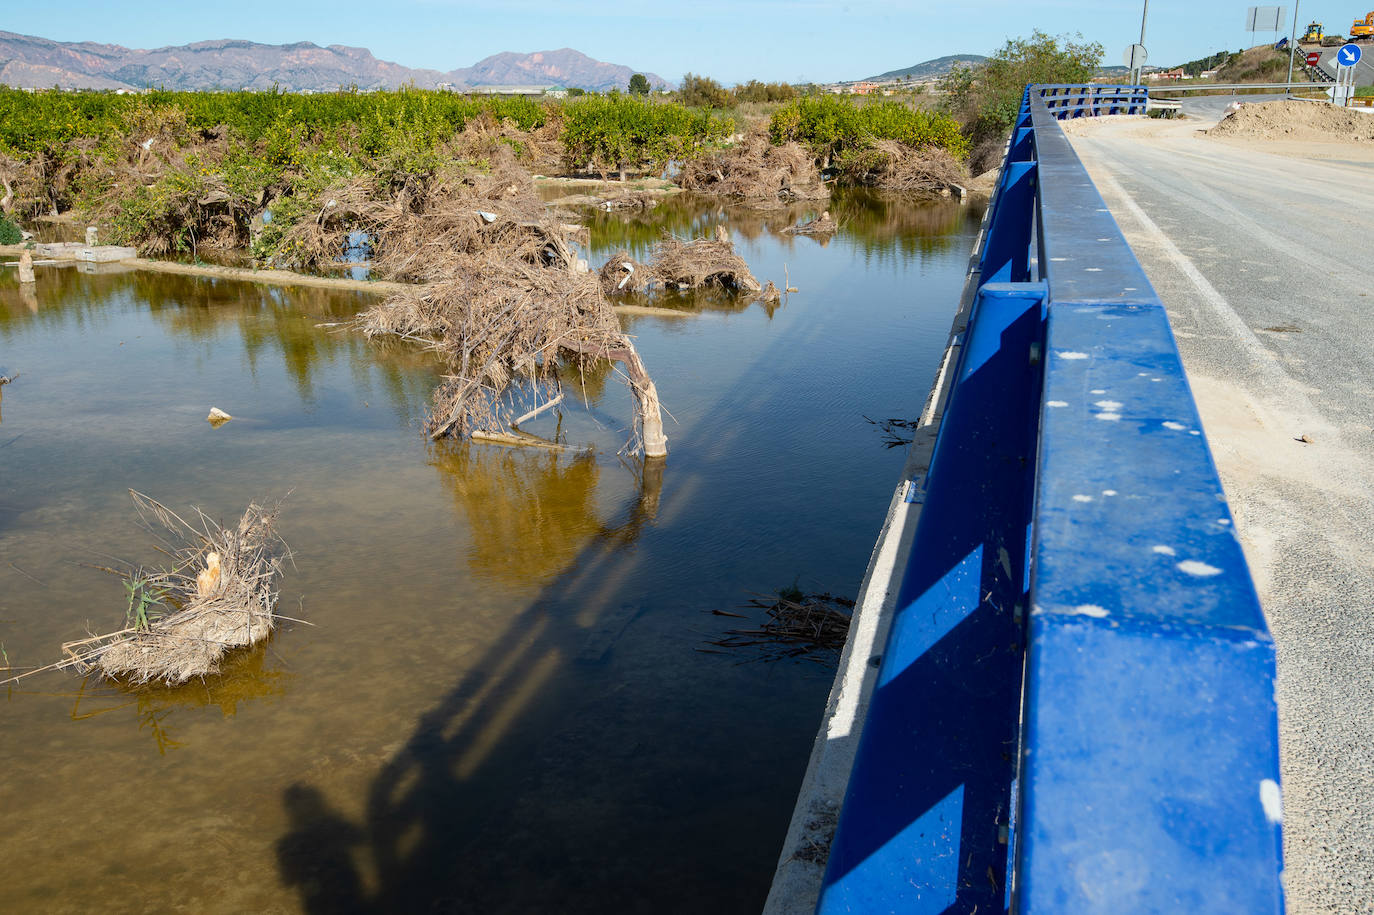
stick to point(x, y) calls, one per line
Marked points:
point(1295, 120)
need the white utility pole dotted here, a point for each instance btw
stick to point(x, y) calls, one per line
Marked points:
point(1136, 73)
point(1293, 43)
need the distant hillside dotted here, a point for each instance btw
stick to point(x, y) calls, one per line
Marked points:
point(564, 67)
point(29, 61)
point(932, 69)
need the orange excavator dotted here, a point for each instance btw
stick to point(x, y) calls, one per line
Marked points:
point(1363, 29)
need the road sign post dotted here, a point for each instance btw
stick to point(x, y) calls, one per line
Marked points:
point(1347, 56)
point(1135, 58)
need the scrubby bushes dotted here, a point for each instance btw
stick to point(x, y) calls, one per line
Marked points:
point(985, 98)
point(831, 126)
point(10, 233)
point(617, 132)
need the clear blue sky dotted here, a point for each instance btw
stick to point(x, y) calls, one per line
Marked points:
point(730, 40)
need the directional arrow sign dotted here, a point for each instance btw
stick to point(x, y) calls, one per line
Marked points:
point(1348, 55)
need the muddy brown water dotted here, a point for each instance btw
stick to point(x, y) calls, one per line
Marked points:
point(501, 705)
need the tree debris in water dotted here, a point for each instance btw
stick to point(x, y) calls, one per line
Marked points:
point(702, 262)
point(622, 274)
point(758, 171)
point(894, 166)
point(823, 224)
point(501, 319)
point(220, 594)
point(895, 431)
point(813, 627)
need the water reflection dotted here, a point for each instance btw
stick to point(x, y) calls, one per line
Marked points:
point(501, 707)
point(425, 843)
point(244, 677)
point(885, 227)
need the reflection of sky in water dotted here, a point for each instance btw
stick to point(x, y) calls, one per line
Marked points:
point(502, 670)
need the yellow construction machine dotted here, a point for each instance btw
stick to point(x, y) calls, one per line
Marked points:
point(1363, 29)
point(1313, 35)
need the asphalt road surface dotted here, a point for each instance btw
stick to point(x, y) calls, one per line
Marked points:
point(1264, 262)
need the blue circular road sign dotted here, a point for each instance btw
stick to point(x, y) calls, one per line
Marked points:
point(1348, 55)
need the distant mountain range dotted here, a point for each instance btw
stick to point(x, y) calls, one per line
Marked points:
point(29, 61)
point(932, 69)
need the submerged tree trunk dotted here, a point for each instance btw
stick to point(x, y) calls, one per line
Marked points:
point(649, 413)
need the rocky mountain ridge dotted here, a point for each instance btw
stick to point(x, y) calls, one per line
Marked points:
point(28, 61)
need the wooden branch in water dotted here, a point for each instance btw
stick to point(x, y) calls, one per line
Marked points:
point(523, 439)
point(641, 385)
point(553, 402)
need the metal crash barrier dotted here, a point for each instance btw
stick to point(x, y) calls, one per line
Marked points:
point(1075, 706)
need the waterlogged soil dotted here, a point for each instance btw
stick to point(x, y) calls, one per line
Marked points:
point(499, 703)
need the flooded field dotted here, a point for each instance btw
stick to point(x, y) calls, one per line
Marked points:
point(500, 703)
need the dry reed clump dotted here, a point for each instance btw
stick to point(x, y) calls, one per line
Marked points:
point(812, 627)
point(219, 595)
point(621, 274)
point(757, 170)
point(824, 224)
point(485, 137)
point(472, 213)
point(702, 262)
point(895, 166)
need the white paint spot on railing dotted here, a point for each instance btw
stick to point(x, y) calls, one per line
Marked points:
point(1079, 497)
point(1163, 550)
point(1092, 610)
point(1108, 417)
point(1198, 569)
point(1072, 354)
point(1109, 492)
point(1111, 406)
point(1271, 799)
point(1177, 427)
point(1098, 391)
point(1056, 403)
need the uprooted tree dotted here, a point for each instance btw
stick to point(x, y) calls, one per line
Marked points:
point(498, 321)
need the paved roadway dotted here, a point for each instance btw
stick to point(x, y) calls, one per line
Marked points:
point(1265, 265)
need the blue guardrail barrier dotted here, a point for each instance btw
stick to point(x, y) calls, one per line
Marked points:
point(1075, 706)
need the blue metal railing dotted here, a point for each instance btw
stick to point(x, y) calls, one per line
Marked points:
point(1093, 101)
point(1075, 706)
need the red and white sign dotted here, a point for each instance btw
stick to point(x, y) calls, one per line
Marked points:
point(1313, 57)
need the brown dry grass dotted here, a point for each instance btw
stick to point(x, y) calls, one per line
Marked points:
point(702, 262)
point(204, 618)
point(894, 166)
point(756, 170)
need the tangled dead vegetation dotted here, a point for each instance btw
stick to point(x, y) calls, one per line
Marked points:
point(416, 231)
point(500, 321)
point(621, 274)
point(219, 594)
point(894, 166)
point(756, 170)
point(701, 263)
point(811, 627)
point(824, 224)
